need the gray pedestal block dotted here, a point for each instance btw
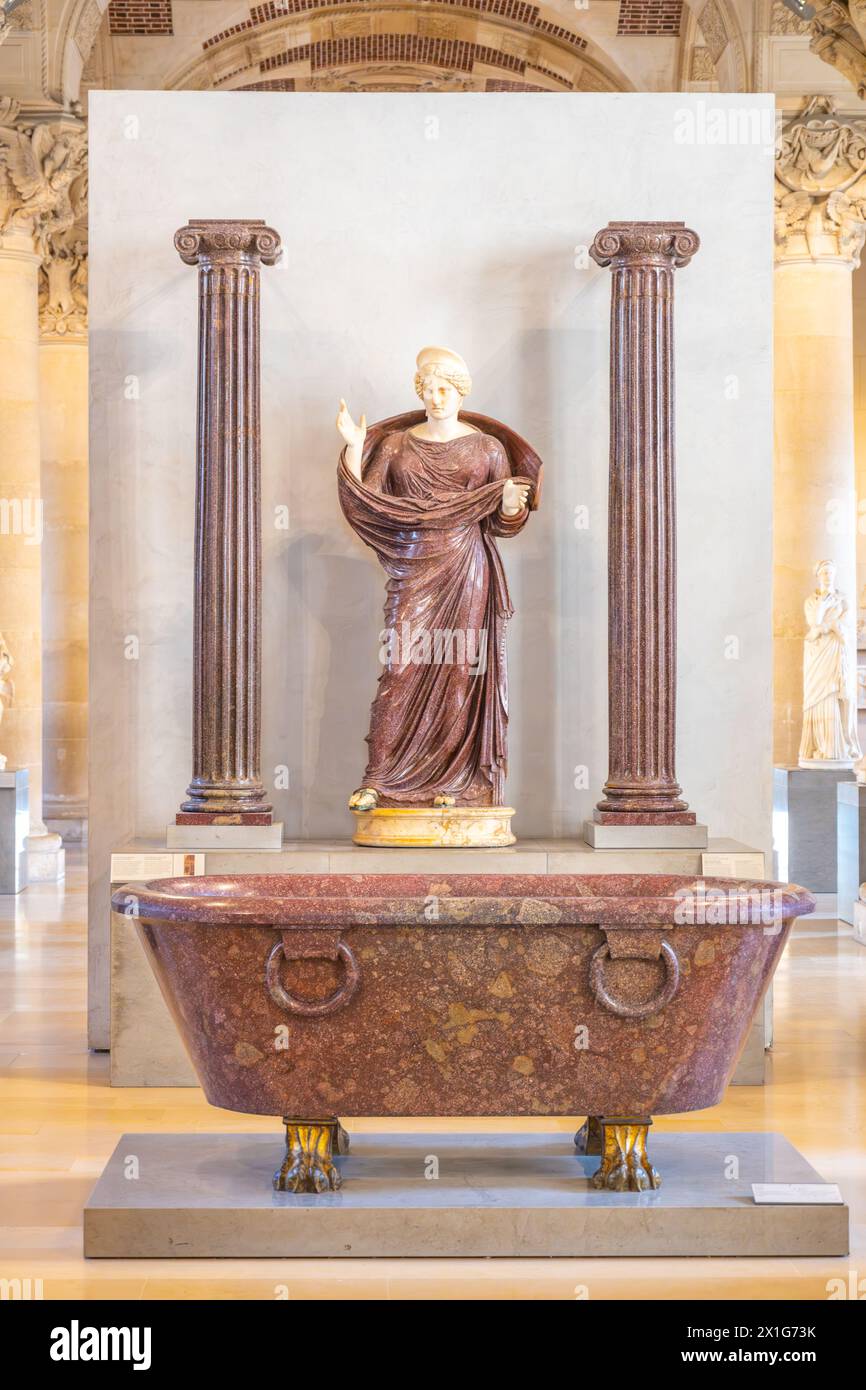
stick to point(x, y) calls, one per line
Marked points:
point(850, 846)
point(210, 1195)
point(804, 825)
point(14, 826)
point(645, 836)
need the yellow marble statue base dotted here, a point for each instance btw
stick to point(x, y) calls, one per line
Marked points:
point(451, 827)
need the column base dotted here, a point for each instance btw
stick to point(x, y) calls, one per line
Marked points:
point(645, 833)
point(233, 833)
point(224, 818)
point(46, 858)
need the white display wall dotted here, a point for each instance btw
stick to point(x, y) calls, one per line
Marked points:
point(408, 220)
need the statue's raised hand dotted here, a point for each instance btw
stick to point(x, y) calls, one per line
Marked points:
point(353, 434)
point(353, 437)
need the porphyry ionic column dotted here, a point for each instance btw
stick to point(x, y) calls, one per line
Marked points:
point(641, 788)
point(226, 786)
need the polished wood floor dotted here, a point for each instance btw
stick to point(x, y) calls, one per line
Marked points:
point(60, 1120)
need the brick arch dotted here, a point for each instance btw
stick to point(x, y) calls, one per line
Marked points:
point(483, 43)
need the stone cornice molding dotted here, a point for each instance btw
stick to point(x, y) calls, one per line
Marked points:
point(820, 192)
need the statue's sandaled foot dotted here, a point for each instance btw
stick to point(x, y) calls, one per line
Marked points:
point(364, 799)
point(588, 1137)
point(309, 1162)
point(625, 1164)
point(444, 800)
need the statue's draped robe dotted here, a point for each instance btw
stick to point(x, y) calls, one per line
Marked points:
point(829, 698)
point(430, 511)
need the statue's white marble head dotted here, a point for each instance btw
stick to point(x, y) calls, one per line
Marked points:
point(825, 573)
point(442, 381)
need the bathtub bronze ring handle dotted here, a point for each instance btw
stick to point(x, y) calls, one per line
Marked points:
point(653, 1005)
point(312, 1008)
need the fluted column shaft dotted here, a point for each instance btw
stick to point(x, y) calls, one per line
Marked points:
point(226, 785)
point(642, 787)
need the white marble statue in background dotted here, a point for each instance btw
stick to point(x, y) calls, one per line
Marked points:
point(7, 688)
point(829, 736)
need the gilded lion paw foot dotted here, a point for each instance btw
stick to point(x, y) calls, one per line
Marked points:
point(625, 1164)
point(364, 799)
point(588, 1137)
point(444, 800)
point(308, 1165)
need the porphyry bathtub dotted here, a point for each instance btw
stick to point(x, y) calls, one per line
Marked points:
point(315, 996)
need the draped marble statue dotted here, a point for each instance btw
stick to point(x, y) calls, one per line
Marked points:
point(429, 492)
point(829, 737)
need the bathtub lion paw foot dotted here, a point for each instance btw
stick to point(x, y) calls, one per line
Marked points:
point(625, 1163)
point(309, 1164)
point(588, 1137)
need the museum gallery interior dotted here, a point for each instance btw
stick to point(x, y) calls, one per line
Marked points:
point(432, 649)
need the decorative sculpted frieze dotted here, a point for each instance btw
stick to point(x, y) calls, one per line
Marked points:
point(43, 197)
point(820, 186)
point(41, 172)
point(63, 289)
point(712, 27)
point(839, 38)
point(784, 21)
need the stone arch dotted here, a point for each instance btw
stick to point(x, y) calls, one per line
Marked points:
point(549, 55)
point(492, 45)
point(78, 26)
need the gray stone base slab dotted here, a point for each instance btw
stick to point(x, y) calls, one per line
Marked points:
point(850, 846)
point(210, 1195)
point(645, 836)
point(198, 837)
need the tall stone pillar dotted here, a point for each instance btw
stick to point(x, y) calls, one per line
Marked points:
point(63, 429)
point(39, 167)
point(21, 510)
point(642, 788)
point(226, 785)
point(820, 228)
